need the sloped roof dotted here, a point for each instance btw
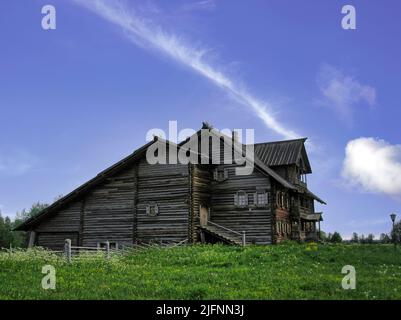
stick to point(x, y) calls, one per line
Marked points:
point(281, 153)
point(262, 164)
point(99, 178)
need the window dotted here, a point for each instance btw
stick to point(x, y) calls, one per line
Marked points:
point(278, 199)
point(286, 201)
point(112, 245)
point(280, 227)
point(220, 174)
point(241, 199)
point(282, 200)
point(152, 209)
point(261, 198)
point(304, 202)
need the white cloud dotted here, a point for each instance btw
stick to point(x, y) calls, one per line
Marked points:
point(342, 93)
point(142, 31)
point(374, 165)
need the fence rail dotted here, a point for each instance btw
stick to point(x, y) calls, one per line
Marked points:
point(69, 249)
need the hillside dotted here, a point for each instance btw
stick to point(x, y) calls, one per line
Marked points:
point(288, 271)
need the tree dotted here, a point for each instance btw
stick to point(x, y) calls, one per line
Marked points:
point(322, 236)
point(384, 238)
point(3, 240)
point(370, 238)
point(8, 237)
point(33, 211)
point(396, 232)
point(355, 238)
point(336, 237)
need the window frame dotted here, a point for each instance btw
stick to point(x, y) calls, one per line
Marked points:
point(152, 206)
point(237, 199)
point(217, 176)
point(256, 201)
point(113, 245)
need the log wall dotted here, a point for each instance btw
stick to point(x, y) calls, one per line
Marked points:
point(168, 187)
point(256, 222)
point(108, 210)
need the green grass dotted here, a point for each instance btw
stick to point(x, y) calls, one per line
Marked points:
point(288, 271)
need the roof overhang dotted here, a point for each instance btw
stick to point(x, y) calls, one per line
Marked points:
point(78, 192)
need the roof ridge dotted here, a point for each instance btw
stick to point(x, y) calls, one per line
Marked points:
point(282, 141)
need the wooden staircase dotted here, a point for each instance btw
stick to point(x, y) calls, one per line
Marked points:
point(222, 233)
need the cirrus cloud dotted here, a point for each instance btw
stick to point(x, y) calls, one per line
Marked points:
point(374, 165)
point(342, 93)
point(145, 32)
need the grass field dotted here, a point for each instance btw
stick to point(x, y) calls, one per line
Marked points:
point(288, 271)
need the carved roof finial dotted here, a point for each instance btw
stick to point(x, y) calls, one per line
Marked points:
point(206, 125)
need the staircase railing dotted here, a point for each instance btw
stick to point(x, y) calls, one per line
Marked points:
point(243, 234)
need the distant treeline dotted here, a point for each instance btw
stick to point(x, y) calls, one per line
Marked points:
point(393, 236)
point(17, 239)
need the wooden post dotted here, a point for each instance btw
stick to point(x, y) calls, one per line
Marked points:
point(32, 236)
point(81, 223)
point(394, 239)
point(243, 239)
point(107, 249)
point(67, 250)
point(202, 237)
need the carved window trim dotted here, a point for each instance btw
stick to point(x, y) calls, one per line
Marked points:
point(220, 174)
point(241, 199)
point(282, 200)
point(152, 209)
point(257, 198)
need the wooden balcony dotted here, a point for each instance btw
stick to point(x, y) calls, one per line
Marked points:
point(300, 183)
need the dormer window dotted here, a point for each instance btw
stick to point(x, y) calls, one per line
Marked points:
point(220, 174)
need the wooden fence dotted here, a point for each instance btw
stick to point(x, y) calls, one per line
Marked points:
point(69, 249)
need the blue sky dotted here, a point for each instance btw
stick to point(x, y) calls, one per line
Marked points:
point(76, 99)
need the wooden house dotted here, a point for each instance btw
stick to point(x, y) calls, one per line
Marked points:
point(135, 201)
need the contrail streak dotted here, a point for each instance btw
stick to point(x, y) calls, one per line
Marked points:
point(142, 32)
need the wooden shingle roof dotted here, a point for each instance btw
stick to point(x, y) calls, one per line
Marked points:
point(282, 153)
